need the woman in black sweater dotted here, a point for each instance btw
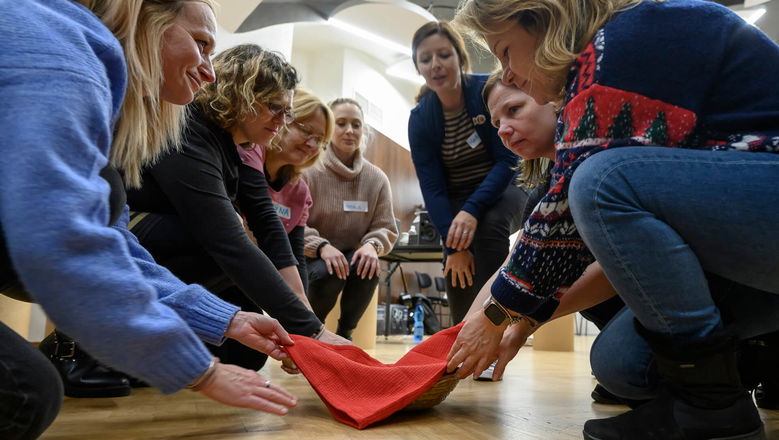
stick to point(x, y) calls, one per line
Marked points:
point(189, 211)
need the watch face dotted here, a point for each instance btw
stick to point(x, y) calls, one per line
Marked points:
point(495, 314)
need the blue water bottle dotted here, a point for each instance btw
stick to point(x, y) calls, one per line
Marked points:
point(419, 323)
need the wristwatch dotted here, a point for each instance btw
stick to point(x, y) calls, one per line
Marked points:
point(376, 245)
point(499, 315)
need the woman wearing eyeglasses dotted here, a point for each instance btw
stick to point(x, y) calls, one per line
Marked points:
point(350, 224)
point(188, 211)
point(294, 149)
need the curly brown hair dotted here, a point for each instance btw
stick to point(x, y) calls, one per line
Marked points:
point(246, 75)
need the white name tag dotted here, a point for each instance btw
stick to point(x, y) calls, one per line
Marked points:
point(283, 211)
point(355, 206)
point(474, 140)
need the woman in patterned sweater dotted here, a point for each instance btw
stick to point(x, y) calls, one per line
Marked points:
point(464, 172)
point(651, 215)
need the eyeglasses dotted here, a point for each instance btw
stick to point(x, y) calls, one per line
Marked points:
point(280, 111)
point(308, 135)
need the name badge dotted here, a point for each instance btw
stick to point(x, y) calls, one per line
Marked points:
point(355, 206)
point(283, 211)
point(474, 140)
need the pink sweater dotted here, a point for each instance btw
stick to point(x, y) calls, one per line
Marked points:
point(292, 202)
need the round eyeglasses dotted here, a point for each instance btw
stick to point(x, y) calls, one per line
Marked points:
point(309, 135)
point(279, 111)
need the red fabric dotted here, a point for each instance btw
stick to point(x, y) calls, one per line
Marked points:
point(359, 390)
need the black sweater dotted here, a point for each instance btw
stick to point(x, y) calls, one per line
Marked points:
point(203, 184)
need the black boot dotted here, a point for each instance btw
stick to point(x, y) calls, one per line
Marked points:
point(703, 398)
point(605, 397)
point(82, 375)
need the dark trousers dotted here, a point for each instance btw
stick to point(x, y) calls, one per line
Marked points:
point(172, 246)
point(490, 247)
point(323, 290)
point(30, 388)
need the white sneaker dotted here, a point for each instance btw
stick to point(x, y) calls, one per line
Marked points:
point(486, 375)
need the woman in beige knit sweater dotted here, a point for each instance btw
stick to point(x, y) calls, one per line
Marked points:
point(351, 222)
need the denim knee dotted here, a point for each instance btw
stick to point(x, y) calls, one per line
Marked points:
point(589, 183)
point(34, 394)
point(622, 361)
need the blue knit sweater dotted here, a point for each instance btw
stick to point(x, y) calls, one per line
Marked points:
point(681, 73)
point(426, 135)
point(62, 81)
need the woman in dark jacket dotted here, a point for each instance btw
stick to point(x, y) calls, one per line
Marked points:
point(188, 211)
point(464, 171)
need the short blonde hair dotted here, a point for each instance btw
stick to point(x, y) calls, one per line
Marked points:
point(565, 27)
point(146, 126)
point(532, 171)
point(306, 105)
point(246, 75)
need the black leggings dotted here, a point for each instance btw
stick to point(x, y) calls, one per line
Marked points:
point(171, 245)
point(490, 247)
point(323, 290)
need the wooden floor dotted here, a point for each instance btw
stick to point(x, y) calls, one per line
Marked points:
point(544, 395)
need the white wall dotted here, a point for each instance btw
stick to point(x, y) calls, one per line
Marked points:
point(342, 72)
point(333, 71)
point(320, 70)
point(277, 38)
point(390, 100)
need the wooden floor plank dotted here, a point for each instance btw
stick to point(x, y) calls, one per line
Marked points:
point(544, 395)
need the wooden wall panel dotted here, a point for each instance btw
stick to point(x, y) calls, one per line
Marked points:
point(396, 162)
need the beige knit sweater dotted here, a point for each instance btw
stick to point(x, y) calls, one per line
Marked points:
point(339, 194)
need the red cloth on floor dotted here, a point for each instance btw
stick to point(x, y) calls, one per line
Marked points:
point(359, 390)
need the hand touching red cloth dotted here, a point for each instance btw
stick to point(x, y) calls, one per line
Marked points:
point(359, 390)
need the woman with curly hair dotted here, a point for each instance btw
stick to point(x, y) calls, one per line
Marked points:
point(188, 211)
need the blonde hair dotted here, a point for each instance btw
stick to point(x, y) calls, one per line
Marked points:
point(246, 75)
point(146, 126)
point(532, 171)
point(445, 29)
point(306, 105)
point(365, 129)
point(564, 27)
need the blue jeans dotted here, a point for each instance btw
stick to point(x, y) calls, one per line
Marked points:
point(624, 364)
point(658, 219)
point(30, 388)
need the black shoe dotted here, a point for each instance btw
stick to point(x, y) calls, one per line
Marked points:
point(605, 397)
point(137, 383)
point(703, 398)
point(82, 375)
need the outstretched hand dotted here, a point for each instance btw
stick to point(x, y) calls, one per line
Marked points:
point(513, 339)
point(476, 346)
point(242, 388)
point(259, 332)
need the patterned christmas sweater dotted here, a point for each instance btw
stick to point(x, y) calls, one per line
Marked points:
point(680, 74)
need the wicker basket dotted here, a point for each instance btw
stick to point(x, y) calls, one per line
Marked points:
point(435, 395)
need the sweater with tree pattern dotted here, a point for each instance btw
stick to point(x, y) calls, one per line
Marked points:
point(680, 74)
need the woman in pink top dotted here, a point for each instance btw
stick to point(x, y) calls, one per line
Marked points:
point(294, 149)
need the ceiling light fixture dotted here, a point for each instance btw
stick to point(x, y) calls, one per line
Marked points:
point(389, 44)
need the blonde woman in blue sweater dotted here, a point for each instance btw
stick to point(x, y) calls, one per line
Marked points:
point(64, 78)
